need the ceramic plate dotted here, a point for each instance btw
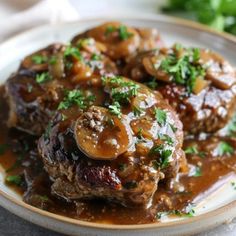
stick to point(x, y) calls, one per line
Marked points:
point(217, 208)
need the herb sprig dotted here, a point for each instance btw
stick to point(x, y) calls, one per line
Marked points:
point(76, 97)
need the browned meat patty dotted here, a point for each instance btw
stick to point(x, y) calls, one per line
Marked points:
point(117, 148)
point(199, 84)
point(120, 41)
point(36, 89)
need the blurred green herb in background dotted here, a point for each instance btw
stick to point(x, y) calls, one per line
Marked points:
point(218, 14)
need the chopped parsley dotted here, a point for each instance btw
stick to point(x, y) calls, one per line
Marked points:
point(123, 33)
point(198, 172)
point(121, 92)
point(39, 59)
point(164, 155)
point(115, 109)
point(224, 148)
point(74, 52)
point(14, 179)
point(76, 97)
point(122, 166)
point(184, 69)
point(43, 198)
point(96, 57)
point(173, 128)
point(152, 84)
point(233, 184)
point(137, 111)
point(3, 148)
point(43, 77)
point(53, 60)
point(193, 150)
point(190, 212)
point(160, 116)
point(140, 133)
point(166, 138)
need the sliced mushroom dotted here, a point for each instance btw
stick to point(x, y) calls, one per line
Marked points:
point(117, 47)
point(102, 136)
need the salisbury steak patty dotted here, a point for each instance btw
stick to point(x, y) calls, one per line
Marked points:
point(118, 149)
point(43, 78)
point(199, 84)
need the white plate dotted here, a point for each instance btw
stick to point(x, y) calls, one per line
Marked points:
point(214, 210)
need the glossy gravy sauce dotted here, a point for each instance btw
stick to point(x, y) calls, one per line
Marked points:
point(207, 172)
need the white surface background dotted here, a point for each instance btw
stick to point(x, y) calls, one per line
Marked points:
point(19, 15)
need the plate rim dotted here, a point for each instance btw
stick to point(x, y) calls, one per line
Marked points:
point(157, 225)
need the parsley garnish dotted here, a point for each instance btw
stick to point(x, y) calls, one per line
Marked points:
point(96, 57)
point(224, 148)
point(137, 111)
point(122, 166)
point(14, 179)
point(53, 60)
point(43, 77)
point(160, 116)
point(122, 31)
point(76, 97)
point(166, 138)
point(39, 59)
point(190, 212)
point(198, 172)
point(74, 52)
point(233, 184)
point(194, 150)
point(184, 69)
point(173, 128)
point(164, 155)
point(121, 92)
point(115, 109)
point(152, 84)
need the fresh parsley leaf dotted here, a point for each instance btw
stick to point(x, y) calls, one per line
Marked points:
point(198, 172)
point(123, 32)
point(224, 148)
point(137, 111)
point(152, 84)
point(122, 166)
point(53, 60)
point(76, 97)
point(14, 179)
point(115, 109)
point(39, 59)
point(233, 184)
point(163, 154)
point(160, 116)
point(43, 77)
point(74, 52)
point(173, 128)
point(183, 69)
point(96, 57)
point(166, 138)
point(193, 150)
point(110, 29)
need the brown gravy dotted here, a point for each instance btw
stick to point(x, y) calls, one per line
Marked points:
point(20, 158)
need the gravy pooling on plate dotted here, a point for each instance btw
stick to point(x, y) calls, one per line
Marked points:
point(86, 140)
